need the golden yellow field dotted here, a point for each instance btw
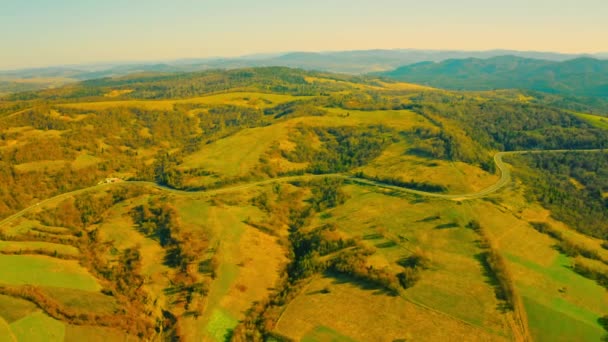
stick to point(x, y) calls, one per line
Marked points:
point(256, 100)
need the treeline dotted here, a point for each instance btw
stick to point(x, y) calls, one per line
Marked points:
point(296, 213)
point(37, 117)
point(603, 321)
point(581, 104)
point(412, 265)
point(123, 280)
point(131, 126)
point(573, 186)
point(279, 204)
point(86, 209)
point(327, 193)
point(127, 323)
point(159, 220)
point(449, 139)
point(354, 263)
point(9, 105)
point(421, 186)
point(39, 251)
point(120, 276)
point(22, 189)
point(574, 250)
point(34, 235)
point(512, 125)
point(368, 100)
point(343, 148)
point(294, 109)
point(349, 255)
point(496, 268)
point(223, 117)
point(565, 246)
point(39, 149)
point(434, 143)
point(449, 142)
point(600, 277)
point(307, 247)
point(319, 249)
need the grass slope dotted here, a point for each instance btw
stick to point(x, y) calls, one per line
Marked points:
point(6, 334)
point(16, 246)
point(76, 333)
point(221, 156)
point(454, 293)
point(38, 327)
point(244, 275)
point(346, 309)
point(13, 309)
point(457, 177)
point(540, 272)
point(595, 120)
point(45, 271)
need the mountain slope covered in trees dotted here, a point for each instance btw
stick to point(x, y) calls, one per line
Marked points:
point(580, 76)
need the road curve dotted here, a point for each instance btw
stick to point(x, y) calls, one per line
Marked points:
point(505, 178)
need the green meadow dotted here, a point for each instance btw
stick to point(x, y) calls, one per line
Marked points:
point(45, 271)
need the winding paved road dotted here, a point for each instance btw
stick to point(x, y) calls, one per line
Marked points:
point(505, 178)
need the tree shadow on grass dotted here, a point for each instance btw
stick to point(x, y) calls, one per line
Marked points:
point(340, 278)
point(491, 280)
point(386, 244)
point(430, 218)
point(447, 225)
point(373, 236)
point(228, 335)
point(322, 291)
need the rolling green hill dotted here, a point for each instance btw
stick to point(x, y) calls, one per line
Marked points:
point(281, 204)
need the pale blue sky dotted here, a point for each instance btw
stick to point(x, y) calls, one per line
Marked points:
point(55, 32)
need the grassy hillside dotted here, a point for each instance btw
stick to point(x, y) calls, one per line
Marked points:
point(270, 204)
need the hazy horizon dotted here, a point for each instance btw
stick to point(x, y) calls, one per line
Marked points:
point(38, 33)
point(272, 53)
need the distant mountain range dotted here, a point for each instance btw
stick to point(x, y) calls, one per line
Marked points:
point(450, 69)
point(363, 61)
point(583, 76)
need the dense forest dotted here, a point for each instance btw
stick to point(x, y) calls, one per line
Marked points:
point(343, 148)
point(507, 72)
point(508, 126)
point(573, 186)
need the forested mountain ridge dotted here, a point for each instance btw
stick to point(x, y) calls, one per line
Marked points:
point(581, 76)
